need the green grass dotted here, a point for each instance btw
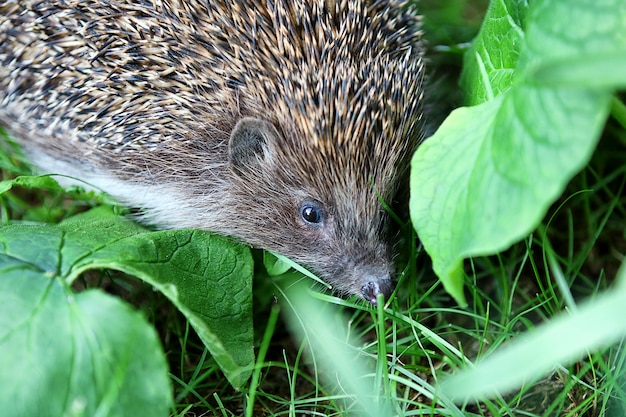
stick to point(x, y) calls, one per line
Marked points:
point(402, 350)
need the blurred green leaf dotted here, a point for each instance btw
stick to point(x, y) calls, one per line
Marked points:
point(44, 182)
point(574, 71)
point(601, 320)
point(274, 265)
point(65, 354)
point(333, 351)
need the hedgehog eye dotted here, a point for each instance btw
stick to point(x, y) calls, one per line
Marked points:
point(312, 213)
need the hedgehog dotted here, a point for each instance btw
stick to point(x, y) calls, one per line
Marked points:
point(286, 125)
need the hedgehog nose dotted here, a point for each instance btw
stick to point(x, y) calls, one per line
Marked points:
point(371, 290)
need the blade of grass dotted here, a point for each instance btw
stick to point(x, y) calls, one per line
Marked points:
point(256, 375)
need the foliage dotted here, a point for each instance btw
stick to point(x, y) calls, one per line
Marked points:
point(205, 276)
point(506, 159)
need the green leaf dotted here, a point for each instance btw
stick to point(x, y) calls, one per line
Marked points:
point(559, 342)
point(490, 172)
point(207, 277)
point(274, 265)
point(44, 182)
point(277, 264)
point(489, 65)
point(577, 71)
point(65, 354)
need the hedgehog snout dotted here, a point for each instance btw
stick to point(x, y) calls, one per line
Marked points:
point(375, 286)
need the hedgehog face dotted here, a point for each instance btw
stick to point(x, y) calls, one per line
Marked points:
point(329, 226)
point(348, 252)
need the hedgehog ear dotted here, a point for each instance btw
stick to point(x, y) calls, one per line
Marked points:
point(251, 144)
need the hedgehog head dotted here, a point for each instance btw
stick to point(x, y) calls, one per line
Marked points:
point(324, 138)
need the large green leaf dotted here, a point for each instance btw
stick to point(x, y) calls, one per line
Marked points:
point(207, 277)
point(490, 172)
point(65, 354)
